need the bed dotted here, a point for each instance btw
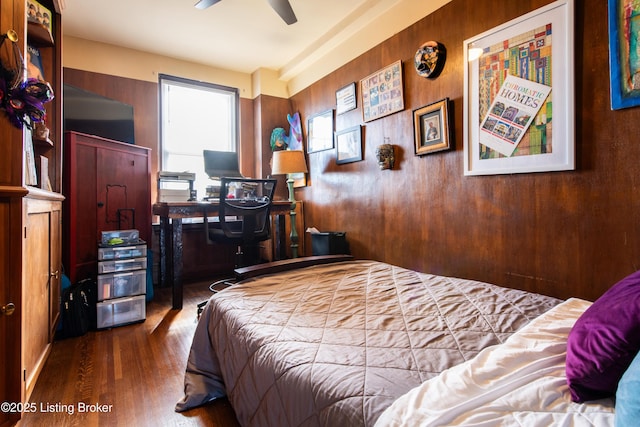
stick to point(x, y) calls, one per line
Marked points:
point(519, 383)
point(359, 342)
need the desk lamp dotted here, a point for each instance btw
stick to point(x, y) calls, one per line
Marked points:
point(287, 162)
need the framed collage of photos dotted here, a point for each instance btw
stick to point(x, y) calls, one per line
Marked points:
point(382, 92)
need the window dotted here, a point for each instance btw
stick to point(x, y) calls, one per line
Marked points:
point(195, 116)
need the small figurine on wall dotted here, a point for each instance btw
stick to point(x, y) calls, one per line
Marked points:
point(385, 155)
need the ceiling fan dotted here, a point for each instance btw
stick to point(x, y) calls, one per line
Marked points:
point(282, 8)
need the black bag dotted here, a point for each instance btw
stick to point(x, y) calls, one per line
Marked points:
point(79, 308)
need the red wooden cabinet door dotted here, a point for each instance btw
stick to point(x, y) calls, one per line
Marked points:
point(122, 192)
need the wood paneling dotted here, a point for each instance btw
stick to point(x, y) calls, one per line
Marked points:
point(270, 112)
point(562, 233)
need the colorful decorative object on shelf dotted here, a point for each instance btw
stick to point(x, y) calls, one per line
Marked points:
point(22, 100)
point(280, 140)
point(429, 59)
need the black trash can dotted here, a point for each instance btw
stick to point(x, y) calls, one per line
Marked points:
point(329, 243)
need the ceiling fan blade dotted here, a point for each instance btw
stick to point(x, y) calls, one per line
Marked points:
point(203, 4)
point(283, 8)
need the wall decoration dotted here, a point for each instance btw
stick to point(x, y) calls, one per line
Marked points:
point(349, 145)
point(346, 98)
point(431, 128)
point(382, 92)
point(624, 57)
point(320, 132)
point(511, 113)
point(281, 140)
point(385, 154)
point(295, 131)
point(429, 59)
point(536, 47)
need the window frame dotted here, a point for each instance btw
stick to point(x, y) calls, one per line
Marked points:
point(196, 84)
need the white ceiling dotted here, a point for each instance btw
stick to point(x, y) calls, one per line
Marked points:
point(241, 35)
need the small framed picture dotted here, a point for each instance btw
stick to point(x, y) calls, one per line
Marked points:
point(320, 132)
point(349, 145)
point(346, 98)
point(431, 124)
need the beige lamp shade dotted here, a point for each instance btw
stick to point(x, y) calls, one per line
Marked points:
point(288, 161)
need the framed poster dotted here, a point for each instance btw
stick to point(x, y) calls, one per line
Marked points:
point(519, 61)
point(382, 92)
point(320, 132)
point(624, 57)
point(346, 98)
point(349, 145)
point(431, 128)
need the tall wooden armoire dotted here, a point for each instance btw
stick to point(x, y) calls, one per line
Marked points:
point(107, 187)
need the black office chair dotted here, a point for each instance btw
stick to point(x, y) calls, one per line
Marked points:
point(244, 219)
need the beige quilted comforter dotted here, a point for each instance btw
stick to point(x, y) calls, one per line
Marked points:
point(335, 345)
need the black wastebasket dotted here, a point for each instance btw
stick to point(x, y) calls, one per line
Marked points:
point(329, 243)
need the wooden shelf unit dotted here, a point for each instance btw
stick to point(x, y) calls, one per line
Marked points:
point(30, 223)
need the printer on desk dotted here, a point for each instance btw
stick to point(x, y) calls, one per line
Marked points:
point(176, 186)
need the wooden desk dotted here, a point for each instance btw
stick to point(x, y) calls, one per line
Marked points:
point(171, 215)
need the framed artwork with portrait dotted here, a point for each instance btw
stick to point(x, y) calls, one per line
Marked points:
point(431, 128)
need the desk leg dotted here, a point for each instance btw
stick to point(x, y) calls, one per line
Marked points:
point(175, 273)
point(281, 238)
point(164, 243)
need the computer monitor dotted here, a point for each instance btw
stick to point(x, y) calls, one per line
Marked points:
point(221, 163)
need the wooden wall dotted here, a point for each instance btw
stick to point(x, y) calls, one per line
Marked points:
point(563, 233)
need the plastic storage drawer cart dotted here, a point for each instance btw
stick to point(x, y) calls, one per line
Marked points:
point(122, 279)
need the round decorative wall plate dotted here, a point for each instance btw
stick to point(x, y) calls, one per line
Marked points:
point(429, 59)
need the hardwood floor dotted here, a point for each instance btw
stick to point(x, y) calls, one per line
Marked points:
point(134, 373)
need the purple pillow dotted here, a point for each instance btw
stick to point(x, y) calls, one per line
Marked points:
point(604, 341)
